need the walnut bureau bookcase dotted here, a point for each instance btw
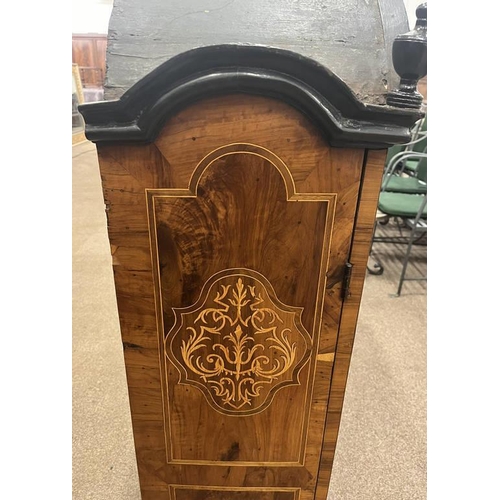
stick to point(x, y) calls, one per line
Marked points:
point(241, 186)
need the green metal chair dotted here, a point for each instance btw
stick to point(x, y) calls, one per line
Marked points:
point(417, 144)
point(403, 198)
point(397, 182)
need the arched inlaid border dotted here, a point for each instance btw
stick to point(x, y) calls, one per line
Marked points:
point(294, 492)
point(292, 195)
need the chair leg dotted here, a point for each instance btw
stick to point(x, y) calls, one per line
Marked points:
point(377, 268)
point(410, 244)
point(405, 262)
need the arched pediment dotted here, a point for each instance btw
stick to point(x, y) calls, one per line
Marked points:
point(205, 72)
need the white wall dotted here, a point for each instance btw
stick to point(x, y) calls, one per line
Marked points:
point(91, 16)
point(411, 7)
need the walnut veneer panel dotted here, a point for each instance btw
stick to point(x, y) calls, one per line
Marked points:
point(223, 232)
point(200, 493)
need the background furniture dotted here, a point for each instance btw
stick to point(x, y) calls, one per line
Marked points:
point(403, 198)
point(89, 53)
point(77, 99)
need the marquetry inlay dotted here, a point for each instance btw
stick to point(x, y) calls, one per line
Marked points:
point(230, 220)
point(240, 259)
point(238, 343)
point(190, 492)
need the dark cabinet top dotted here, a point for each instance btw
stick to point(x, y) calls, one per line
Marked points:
point(331, 60)
point(352, 38)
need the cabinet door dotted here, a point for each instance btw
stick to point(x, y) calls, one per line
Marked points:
point(229, 235)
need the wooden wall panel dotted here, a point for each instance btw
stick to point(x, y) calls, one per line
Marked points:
point(89, 52)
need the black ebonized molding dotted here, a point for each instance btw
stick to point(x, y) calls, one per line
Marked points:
point(409, 55)
point(141, 112)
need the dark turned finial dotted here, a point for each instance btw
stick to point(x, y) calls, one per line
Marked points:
point(409, 56)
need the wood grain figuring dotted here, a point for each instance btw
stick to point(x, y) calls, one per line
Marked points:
point(374, 165)
point(214, 493)
point(233, 189)
point(251, 228)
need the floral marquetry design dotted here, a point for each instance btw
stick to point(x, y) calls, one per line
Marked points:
point(238, 343)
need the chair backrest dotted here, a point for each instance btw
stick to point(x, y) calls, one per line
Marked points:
point(417, 143)
point(424, 125)
point(421, 173)
point(393, 151)
point(419, 139)
point(421, 145)
point(420, 127)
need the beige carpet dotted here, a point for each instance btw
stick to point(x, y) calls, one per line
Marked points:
point(381, 453)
